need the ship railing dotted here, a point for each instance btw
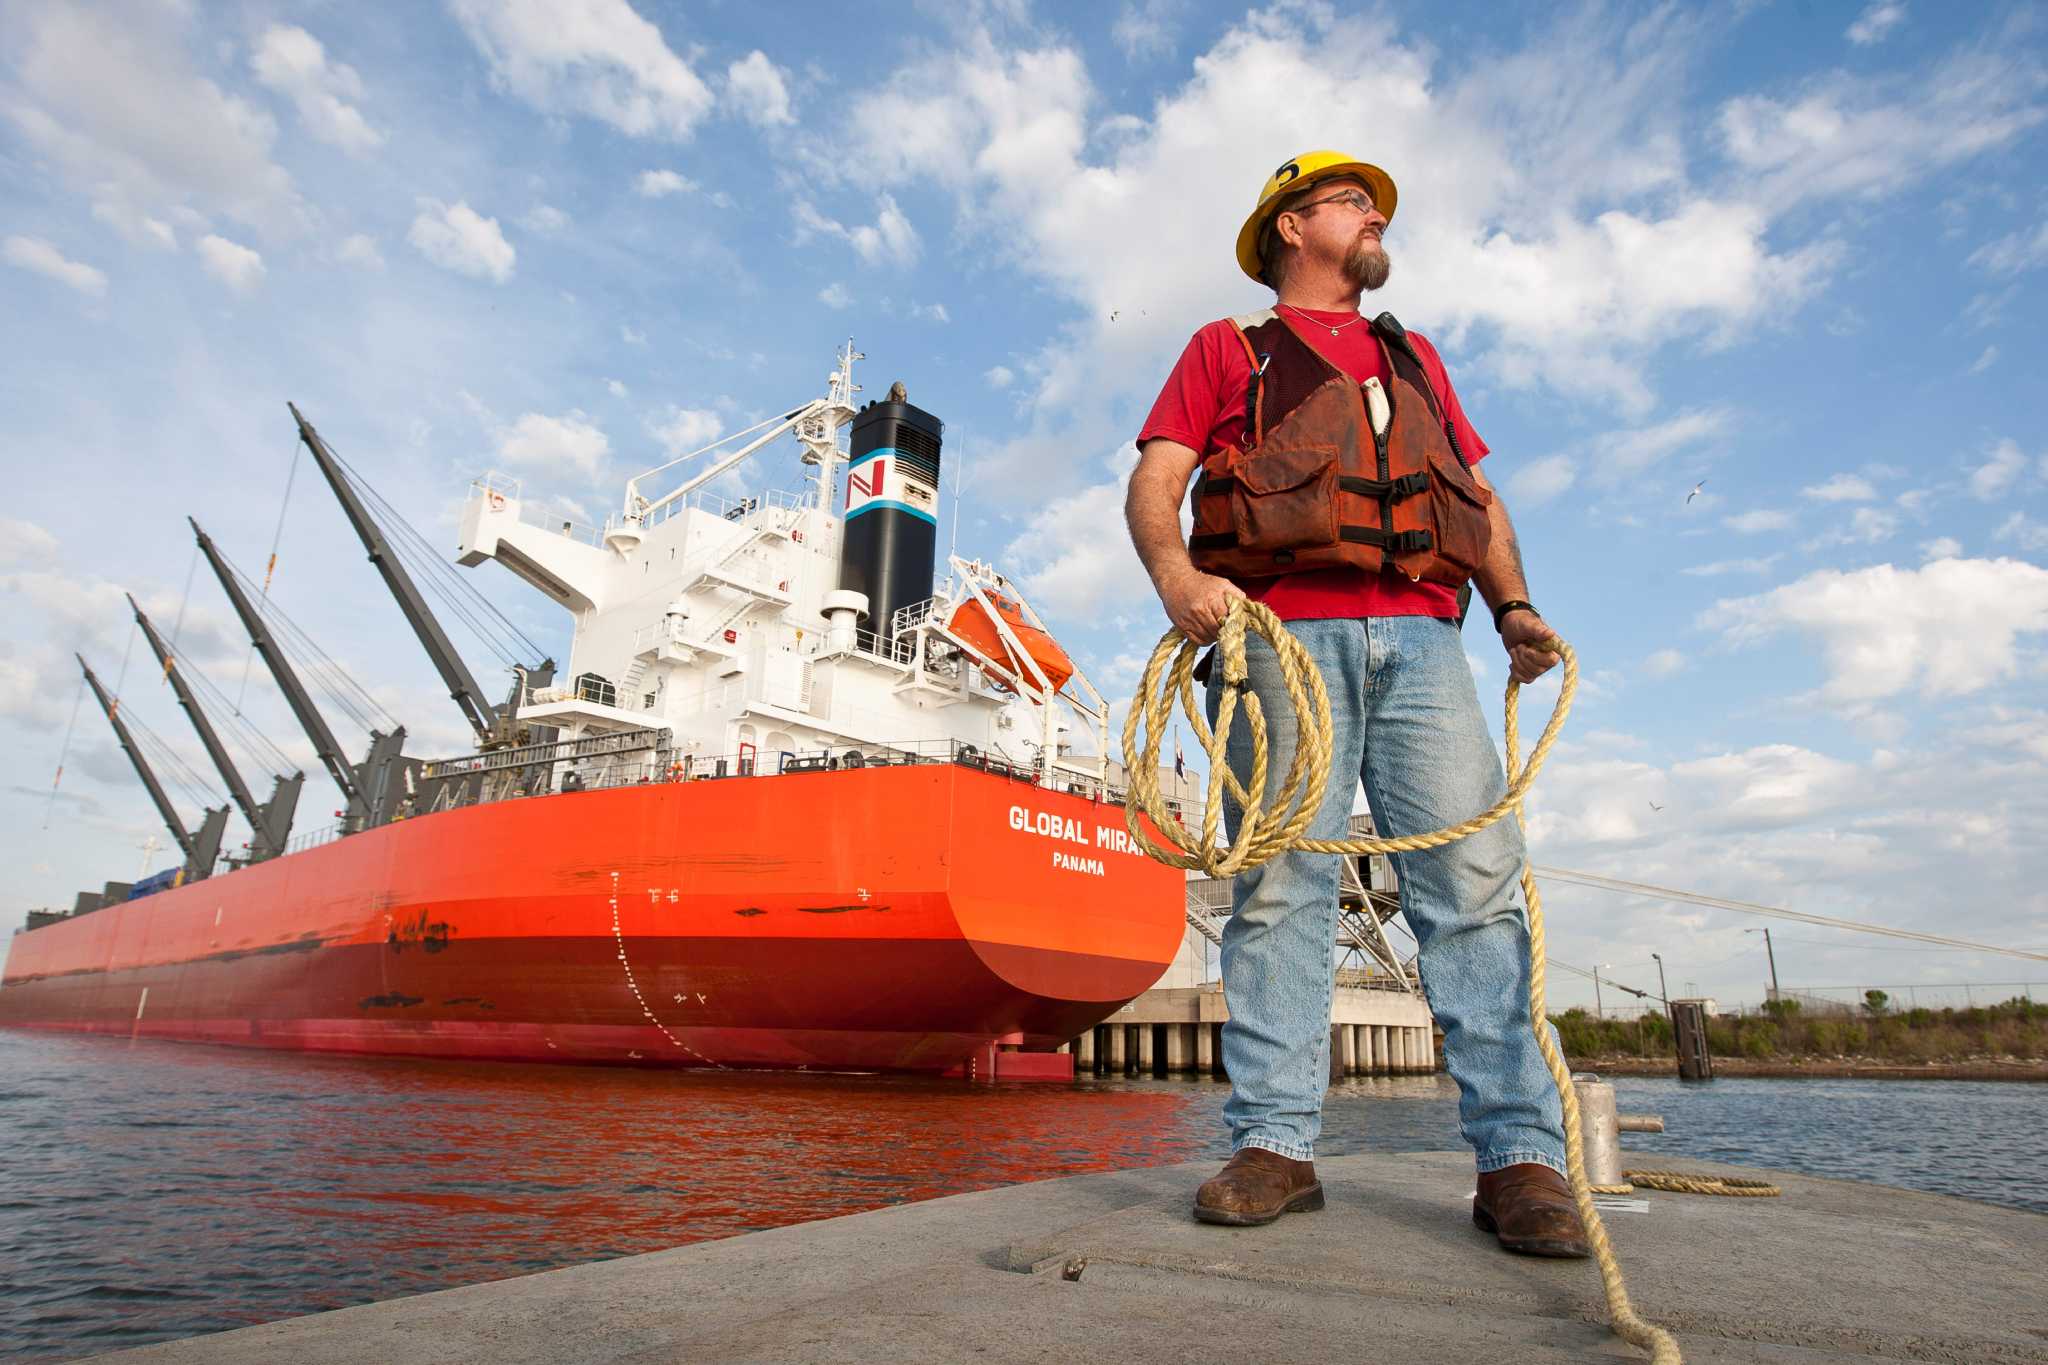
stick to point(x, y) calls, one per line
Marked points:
point(782, 502)
point(503, 487)
point(667, 631)
point(313, 838)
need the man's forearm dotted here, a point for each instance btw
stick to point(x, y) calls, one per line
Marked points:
point(1152, 509)
point(1501, 579)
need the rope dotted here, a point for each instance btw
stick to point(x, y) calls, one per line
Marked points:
point(1264, 833)
point(1734, 1187)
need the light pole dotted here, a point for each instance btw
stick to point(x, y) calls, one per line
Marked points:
point(1772, 956)
point(1599, 1010)
point(1663, 991)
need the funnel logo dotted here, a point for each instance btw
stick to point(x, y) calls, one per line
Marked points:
point(878, 482)
point(866, 482)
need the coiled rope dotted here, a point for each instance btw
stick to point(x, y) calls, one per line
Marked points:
point(1265, 831)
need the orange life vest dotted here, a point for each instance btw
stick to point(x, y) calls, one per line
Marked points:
point(1334, 473)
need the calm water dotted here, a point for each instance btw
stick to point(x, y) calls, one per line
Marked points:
point(154, 1190)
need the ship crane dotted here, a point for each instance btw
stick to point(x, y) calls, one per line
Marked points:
point(202, 848)
point(493, 724)
point(269, 821)
point(368, 790)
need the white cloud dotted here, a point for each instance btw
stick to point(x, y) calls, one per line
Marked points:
point(33, 253)
point(239, 267)
point(682, 430)
point(24, 541)
point(2029, 534)
point(544, 219)
point(999, 376)
point(1875, 24)
point(1076, 554)
point(890, 240)
point(661, 184)
point(597, 58)
point(758, 90)
point(1728, 566)
point(1941, 547)
point(834, 295)
point(1663, 663)
point(1758, 520)
point(2014, 252)
point(456, 237)
point(1876, 137)
point(930, 312)
point(292, 62)
point(361, 249)
point(615, 388)
point(537, 441)
point(632, 336)
point(1998, 473)
point(1145, 28)
point(1866, 526)
point(1985, 360)
point(110, 97)
point(1841, 488)
point(1542, 479)
point(1949, 627)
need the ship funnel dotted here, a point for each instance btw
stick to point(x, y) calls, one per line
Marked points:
point(892, 504)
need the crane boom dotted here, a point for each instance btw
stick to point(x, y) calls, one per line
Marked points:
point(164, 807)
point(267, 844)
point(477, 709)
point(295, 695)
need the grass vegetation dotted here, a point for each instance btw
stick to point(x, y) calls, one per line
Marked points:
point(2017, 1028)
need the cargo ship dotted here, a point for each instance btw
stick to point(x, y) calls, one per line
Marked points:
point(796, 804)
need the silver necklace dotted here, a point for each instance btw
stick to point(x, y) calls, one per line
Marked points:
point(1319, 322)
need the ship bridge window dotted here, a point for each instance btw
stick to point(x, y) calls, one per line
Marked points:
point(597, 688)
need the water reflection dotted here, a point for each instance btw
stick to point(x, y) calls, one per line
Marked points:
point(155, 1190)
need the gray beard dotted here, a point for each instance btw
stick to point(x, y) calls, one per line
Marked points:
point(1367, 264)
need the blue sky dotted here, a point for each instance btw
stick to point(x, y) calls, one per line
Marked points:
point(1792, 250)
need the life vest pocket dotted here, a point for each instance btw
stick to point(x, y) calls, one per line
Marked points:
point(1461, 525)
point(1284, 497)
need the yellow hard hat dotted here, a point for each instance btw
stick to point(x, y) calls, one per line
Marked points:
point(1298, 174)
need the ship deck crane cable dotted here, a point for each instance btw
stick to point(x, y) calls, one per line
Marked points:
point(497, 631)
point(334, 681)
point(269, 569)
point(64, 752)
point(1265, 832)
point(457, 595)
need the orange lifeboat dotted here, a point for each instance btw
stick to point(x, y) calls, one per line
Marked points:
point(971, 624)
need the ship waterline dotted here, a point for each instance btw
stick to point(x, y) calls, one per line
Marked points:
point(893, 918)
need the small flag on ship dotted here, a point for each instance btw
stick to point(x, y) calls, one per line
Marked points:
point(1180, 765)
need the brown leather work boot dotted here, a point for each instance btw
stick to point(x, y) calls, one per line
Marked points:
point(1529, 1208)
point(1258, 1186)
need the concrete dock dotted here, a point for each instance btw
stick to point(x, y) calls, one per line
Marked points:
point(1110, 1267)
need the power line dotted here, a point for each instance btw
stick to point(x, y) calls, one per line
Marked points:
point(1558, 874)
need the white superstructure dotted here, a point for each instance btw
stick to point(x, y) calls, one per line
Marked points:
point(723, 621)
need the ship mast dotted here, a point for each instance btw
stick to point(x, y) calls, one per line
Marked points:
point(295, 695)
point(200, 849)
point(483, 716)
point(272, 820)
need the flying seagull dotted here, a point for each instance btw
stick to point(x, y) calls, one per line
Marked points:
point(1696, 490)
point(1654, 805)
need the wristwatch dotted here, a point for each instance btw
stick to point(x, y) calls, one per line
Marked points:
point(1500, 612)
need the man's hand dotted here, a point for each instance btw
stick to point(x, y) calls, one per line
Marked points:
point(1523, 633)
point(1197, 603)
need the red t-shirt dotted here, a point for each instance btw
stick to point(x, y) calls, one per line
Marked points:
point(1202, 408)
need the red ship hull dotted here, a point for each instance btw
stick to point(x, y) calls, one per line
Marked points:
point(908, 918)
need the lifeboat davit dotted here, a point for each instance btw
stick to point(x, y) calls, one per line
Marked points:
point(972, 625)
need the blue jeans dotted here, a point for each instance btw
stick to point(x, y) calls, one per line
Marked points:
point(1405, 718)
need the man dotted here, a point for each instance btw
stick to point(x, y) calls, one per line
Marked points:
point(1341, 488)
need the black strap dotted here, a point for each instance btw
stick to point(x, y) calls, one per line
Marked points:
point(1394, 542)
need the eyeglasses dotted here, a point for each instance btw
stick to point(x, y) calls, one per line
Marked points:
point(1357, 199)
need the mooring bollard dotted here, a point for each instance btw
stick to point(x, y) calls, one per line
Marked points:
point(1599, 1130)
